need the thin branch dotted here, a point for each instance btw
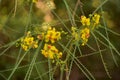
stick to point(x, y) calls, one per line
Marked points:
point(15, 8)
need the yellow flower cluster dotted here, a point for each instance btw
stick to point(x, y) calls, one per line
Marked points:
point(75, 33)
point(96, 19)
point(51, 52)
point(52, 35)
point(85, 34)
point(28, 42)
point(88, 23)
point(81, 35)
point(93, 22)
point(85, 21)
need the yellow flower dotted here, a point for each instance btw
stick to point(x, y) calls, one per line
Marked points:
point(85, 33)
point(28, 42)
point(85, 21)
point(75, 33)
point(96, 20)
point(51, 52)
point(60, 55)
point(35, 44)
point(81, 35)
point(24, 47)
point(52, 35)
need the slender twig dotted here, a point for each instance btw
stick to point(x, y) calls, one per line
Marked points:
point(81, 5)
point(99, 6)
point(75, 9)
point(16, 1)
